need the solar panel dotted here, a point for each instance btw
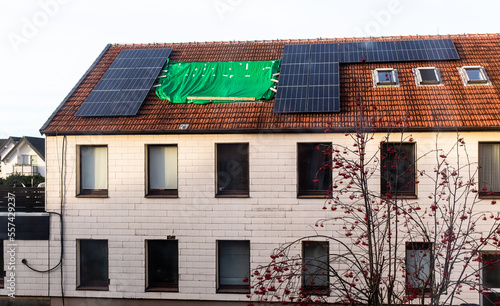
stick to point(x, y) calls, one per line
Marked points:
point(323, 92)
point(411, 50)
point(352, 52)
point(441, 49)
point(381, 51)
point(324, 53)
point(126, 83)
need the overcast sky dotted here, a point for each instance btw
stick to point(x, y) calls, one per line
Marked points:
point(47, 45)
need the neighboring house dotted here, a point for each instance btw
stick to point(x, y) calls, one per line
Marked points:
point(25, 155)
point(178, 202)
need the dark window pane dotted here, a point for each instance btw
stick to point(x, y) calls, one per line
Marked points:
point(398, 169)
point(491, 299)
point(234, 265)
point(163, 264)
point(1, 264)
point(313, 178)
point(489, 171)
point(491, 270)
point(418, 267)
point(93, 263)
point(232, 169)
point(316, 265)
point(428, 76)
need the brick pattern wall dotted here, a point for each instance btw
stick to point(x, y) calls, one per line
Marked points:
point(270, 216)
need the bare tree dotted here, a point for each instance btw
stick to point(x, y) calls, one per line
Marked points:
point(390, 247)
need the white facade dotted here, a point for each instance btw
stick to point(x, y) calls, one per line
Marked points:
point(270, 216)
point(22, 159)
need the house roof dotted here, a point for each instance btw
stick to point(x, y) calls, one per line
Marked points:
point(449, 107)
point(36, 143)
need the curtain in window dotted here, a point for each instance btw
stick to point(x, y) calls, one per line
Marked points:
point(162, 167)
point(94, 163)
point(234, 262)
point(489, 161)
point(418, 267)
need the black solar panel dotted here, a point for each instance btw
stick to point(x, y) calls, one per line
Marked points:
point(411, 50)
point(126, 83)
point(441, 49)
point(309, 79)
point(381, 51)
point(352, 52)
point(323, 92)
point(324, 53)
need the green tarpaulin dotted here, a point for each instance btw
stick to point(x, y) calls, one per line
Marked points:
point(251, 79)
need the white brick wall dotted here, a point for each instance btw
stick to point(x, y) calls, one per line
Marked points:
point(270, 216)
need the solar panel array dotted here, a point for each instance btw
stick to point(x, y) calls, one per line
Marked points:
point(126, 83)
point(309, 75)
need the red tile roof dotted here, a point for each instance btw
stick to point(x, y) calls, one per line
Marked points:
point(449, 107)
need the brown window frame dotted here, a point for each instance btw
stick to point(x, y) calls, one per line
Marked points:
point(310, 169)
point(170, 265)
point(91, 193)
point(225, 163)
point(160, 193)
point(387, 163)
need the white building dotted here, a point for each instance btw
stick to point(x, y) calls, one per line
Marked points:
point(177, 203)
point(22, 155)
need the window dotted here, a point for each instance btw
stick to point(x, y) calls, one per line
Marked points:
point(24, 160)
point(316, 264)
point(474, 75)
point(489, 171)
point(233, 266)
point(162, 265)
point(427, 76)
point(2, 268)
point(398, 169)
point(385, 77)
point(232, 169)
point(490, 278)
point(418, 267)
point(314, 173)
point(162, 170)
point(92, 264)
point(93, 171)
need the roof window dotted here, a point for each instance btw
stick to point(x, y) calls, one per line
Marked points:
point(474, 75)
point(385, 77)
point(427, 76)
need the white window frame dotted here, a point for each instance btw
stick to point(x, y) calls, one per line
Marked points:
point(485, 80)
point(378, 83)
point(420, 82)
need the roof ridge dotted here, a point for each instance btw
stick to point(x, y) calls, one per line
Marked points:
point(308, 40)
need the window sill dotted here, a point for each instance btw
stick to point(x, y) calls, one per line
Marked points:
point(93, 287)
point(401, 196)
point(235, 289)
point(153, 196)
point(246, 195)
point(162, 289)
point(92, 195)
point(495, 195)
point(313, 196)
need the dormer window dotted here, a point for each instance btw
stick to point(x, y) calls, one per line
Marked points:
point(385, 77)
point(427, 76)
point(474, 75)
